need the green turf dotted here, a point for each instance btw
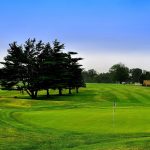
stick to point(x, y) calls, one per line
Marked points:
point(84, 121)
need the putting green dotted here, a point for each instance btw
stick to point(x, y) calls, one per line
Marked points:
point(103, 121)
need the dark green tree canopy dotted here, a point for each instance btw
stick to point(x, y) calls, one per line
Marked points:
point(136, 74)
point(119, 72)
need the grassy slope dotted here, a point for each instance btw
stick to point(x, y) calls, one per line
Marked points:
point(82, 121)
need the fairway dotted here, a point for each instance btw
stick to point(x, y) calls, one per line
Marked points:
point(83, 121)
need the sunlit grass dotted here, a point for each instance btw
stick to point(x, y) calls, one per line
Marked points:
point(81, 121)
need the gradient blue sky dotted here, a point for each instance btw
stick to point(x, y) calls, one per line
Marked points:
point(103, 32)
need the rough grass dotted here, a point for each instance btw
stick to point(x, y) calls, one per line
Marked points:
point(81, 121)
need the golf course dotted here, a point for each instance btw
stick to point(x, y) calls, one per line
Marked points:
point(99, 117)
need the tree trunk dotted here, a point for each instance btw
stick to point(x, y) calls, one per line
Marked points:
point(32, 93)
point(60, 91)
point(48, 95)
point(36, 92)
point(70, 91)
point(77, 90)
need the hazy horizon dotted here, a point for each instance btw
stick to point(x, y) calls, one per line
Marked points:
point(103, 32)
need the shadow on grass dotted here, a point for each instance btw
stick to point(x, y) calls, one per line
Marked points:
point(54, 97)
point(83, 95)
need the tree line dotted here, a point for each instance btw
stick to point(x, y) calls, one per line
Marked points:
point(36, 66)
point(118, 73)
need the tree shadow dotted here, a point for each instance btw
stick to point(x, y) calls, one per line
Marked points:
point(54, 97)
point(83, 95)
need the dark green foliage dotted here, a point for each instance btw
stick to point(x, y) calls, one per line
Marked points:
point(119, 72)
point(74, 79)
point(91, 76)
point(104, 78)
point(39, 66)
point(136, 74)
point(144, 76)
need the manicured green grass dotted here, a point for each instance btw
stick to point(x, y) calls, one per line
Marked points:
point(81, 121)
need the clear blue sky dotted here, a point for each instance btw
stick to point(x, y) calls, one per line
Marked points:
point(104, 32)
